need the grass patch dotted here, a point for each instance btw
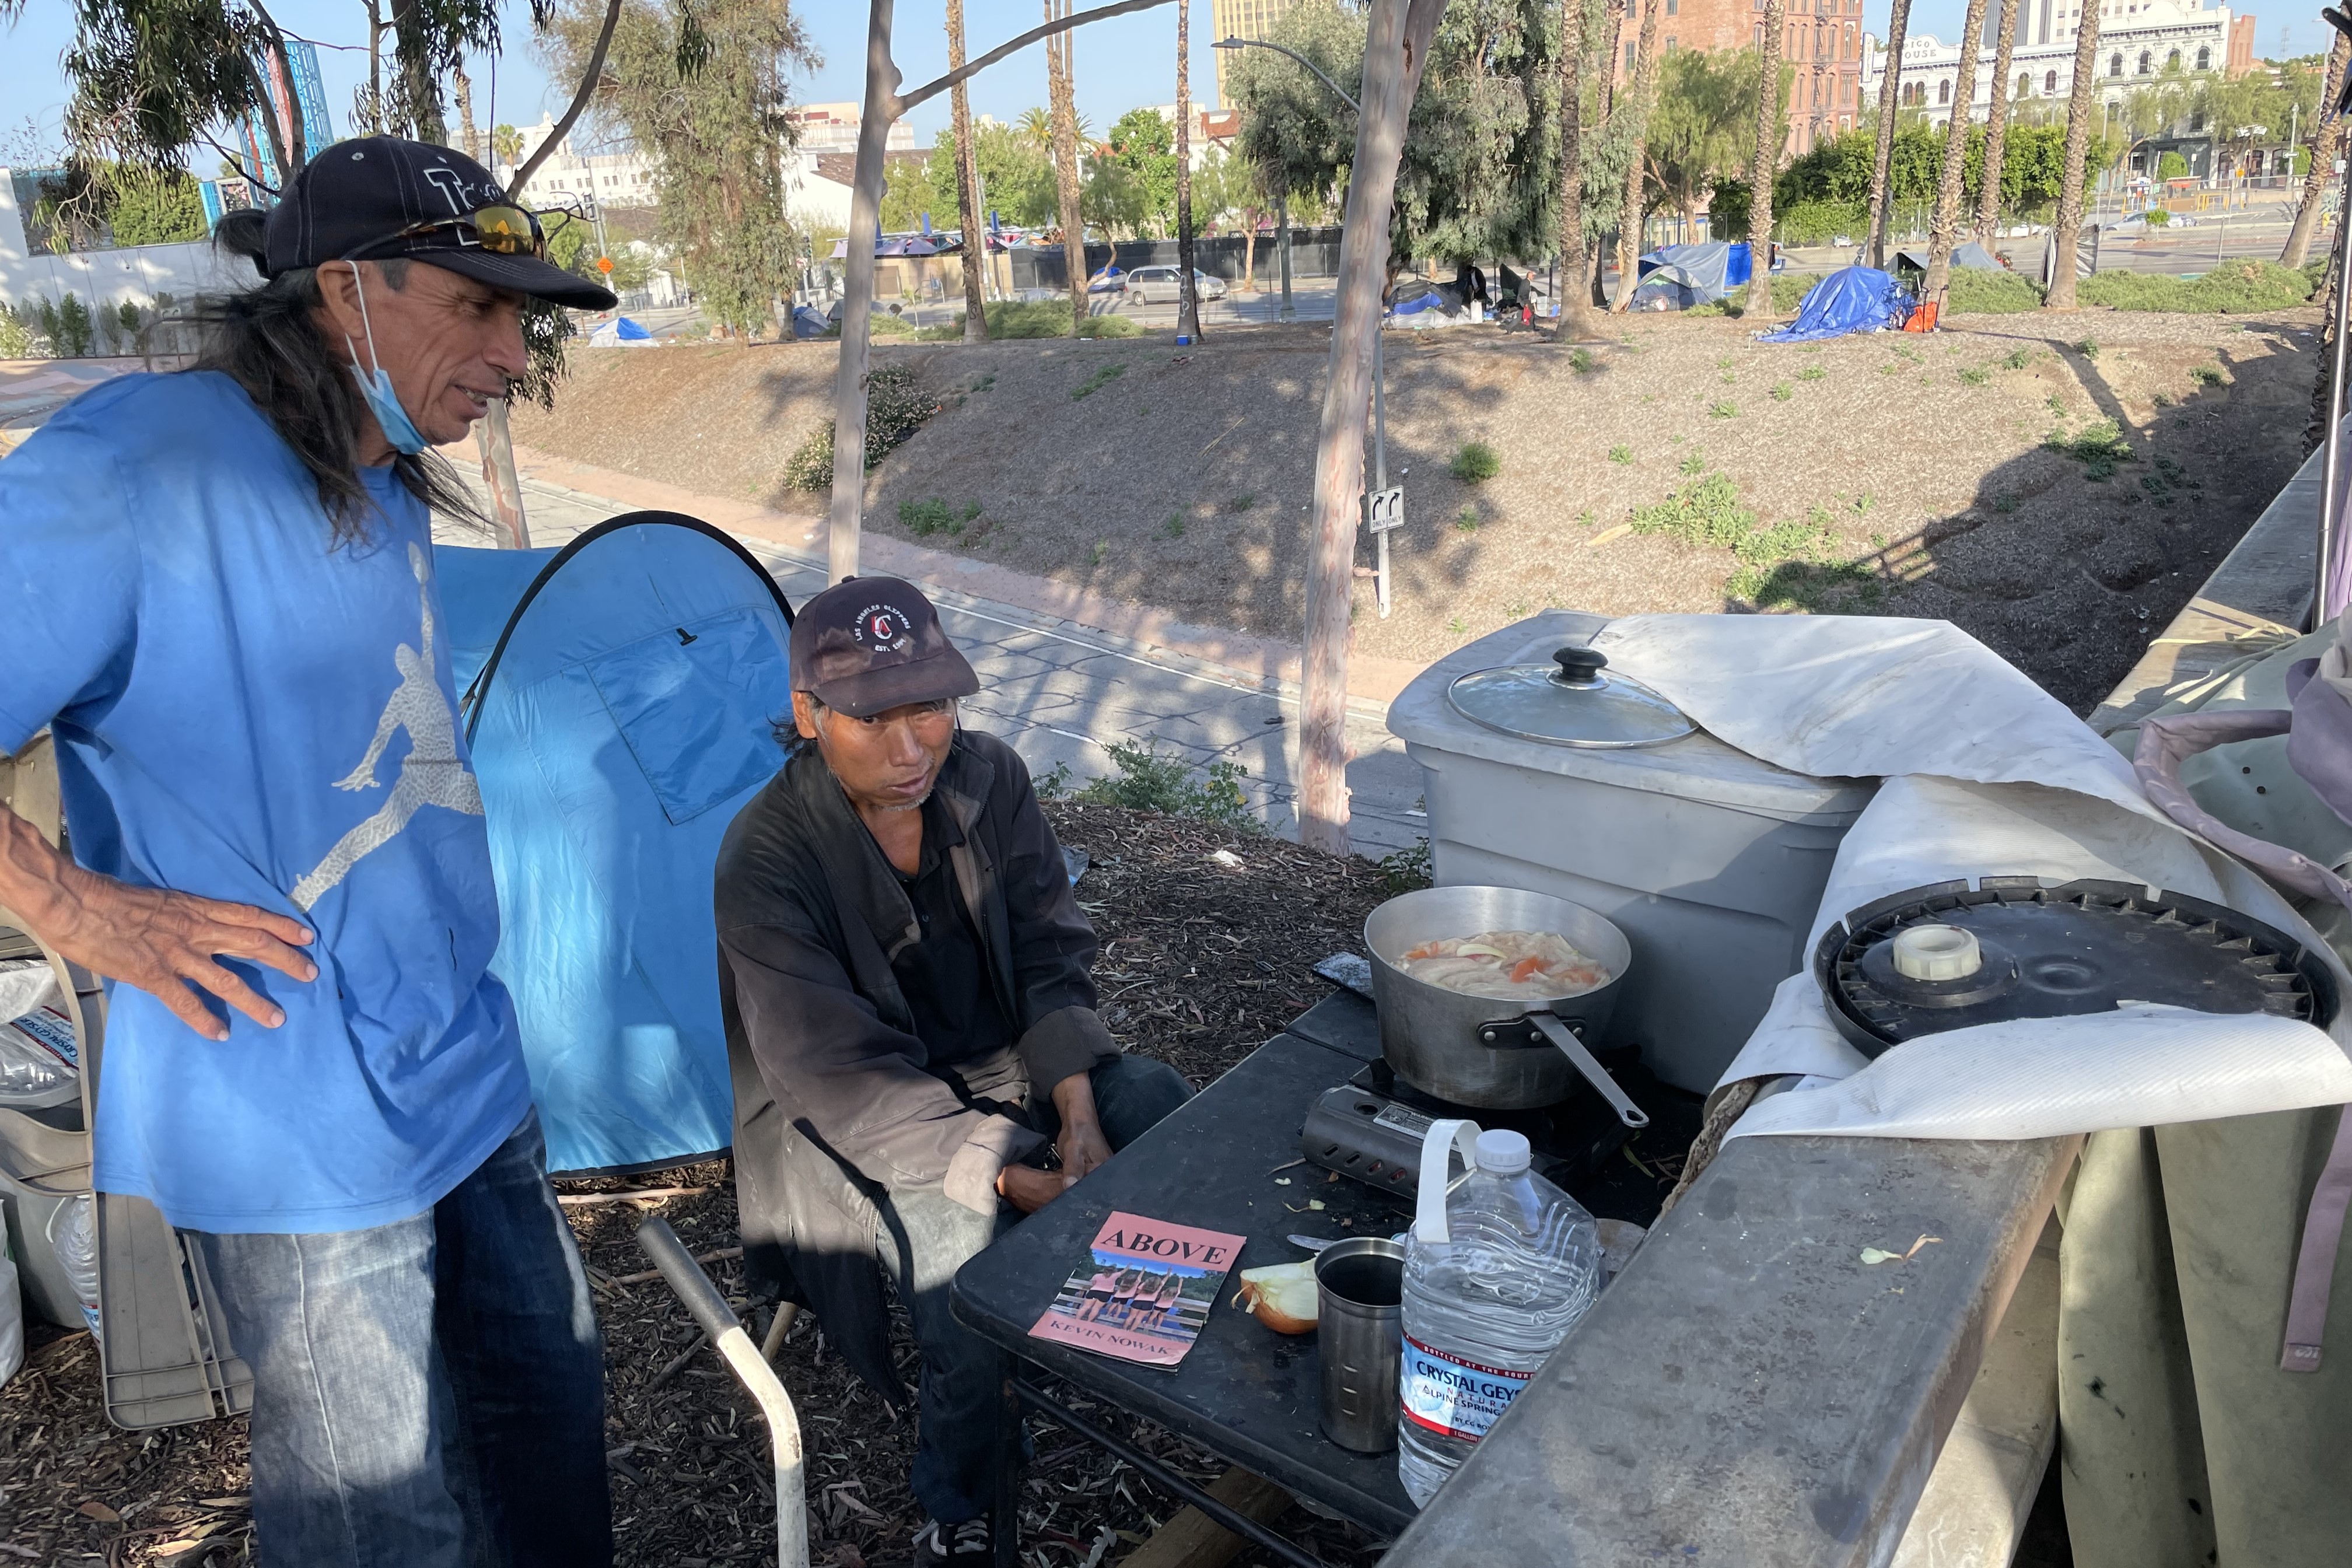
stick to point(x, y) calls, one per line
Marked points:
point(2017, 359)
point(1102, 551)
point(1782, 392)
point(1693, 464)
point(1972, 292)
point(1175, 527)
point(1581, 362)
point(2088, 348)
point(1726, 409)
point(1467, 520)
point(2237, 288)
point(1793, 563)
point(895, 408)
point(1621, 454)
point(1976, 377)
point(1031, 319)
point(1475, 463)
point(1145, 780)
point(2098, 447)
point(2208, 375)
point(1237, 503)
point(1102, 377)
point(1813, 373)
point(924, 518)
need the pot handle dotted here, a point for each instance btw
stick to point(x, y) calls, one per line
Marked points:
point(1583, 1060)
point(1436, 1144)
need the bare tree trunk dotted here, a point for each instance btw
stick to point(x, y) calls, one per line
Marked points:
point(1996, 129)
point(2326, 146)
point(1765, 165)
point(464, 88)
point(976, 239)
point(1945, 231)
point(846, 514)
point(1249, 251)
point(375, 123)
point(1629, 220)
point(2068, 228)
point(293, 148)
point(495, 441)
point(1188, 311)
point(1395, 50)
point(1575, 316)
point(1882, 166)
point(1062, 93)
point(1591, 285)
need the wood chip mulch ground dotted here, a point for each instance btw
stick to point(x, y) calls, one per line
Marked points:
point(1202, 960)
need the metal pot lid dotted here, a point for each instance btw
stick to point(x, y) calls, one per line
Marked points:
point(1568, 702)
point(1947, 956)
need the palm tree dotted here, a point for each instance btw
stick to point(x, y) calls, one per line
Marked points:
point(1996, 129)
point(1188, 307)
point(2326, 147)
point(966, 173)
point(1766, 165)
point(2068, 228)
point(1945, 231)
point(1890, 93)
point(1629, 218)
point(1575, 314)
point(1036, 128)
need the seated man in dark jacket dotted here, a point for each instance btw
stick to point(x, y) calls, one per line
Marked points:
point(910, 1020)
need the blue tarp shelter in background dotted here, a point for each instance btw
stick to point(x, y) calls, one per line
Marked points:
point(627, 723)
point(1851, 299)
point(1682, 276)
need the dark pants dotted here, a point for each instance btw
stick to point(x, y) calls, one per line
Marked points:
point(925, 1237)
point(428, 1393)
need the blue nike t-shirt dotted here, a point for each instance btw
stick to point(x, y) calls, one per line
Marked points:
point(247, 711)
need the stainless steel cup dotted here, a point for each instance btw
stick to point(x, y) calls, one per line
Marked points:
point(1360, 1335)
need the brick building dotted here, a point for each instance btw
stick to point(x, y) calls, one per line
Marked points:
point(1821, 38)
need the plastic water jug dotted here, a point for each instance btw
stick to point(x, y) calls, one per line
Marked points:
point(1496, 1271)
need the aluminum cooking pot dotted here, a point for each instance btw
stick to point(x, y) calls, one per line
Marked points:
point(1478, 1051)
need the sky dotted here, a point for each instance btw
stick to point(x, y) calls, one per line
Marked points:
point(1121, 64)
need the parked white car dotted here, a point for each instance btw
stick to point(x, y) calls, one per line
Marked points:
point(1147, 284)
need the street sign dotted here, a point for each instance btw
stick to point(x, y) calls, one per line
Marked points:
point(1384, 509)
point(603, 264)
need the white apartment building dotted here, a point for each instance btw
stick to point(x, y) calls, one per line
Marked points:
point(616, 177)
point(2138, 40)
point(832, 128)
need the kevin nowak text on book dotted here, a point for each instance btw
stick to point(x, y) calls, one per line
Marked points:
point(1144, 1291)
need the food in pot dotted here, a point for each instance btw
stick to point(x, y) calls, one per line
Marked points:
point(1508, 965)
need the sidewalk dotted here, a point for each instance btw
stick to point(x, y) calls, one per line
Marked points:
point(1064, 673)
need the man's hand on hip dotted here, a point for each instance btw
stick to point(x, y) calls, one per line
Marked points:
point(164, 943)
point(1082, 1144)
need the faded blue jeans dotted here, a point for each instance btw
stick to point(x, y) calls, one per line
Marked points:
point(428, 1393)
point(925, 1237)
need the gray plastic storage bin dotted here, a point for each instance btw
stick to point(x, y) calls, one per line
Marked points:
point(1712, 861)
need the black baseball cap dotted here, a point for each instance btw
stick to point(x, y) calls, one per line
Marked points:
point(870, 644)
point(355, 200)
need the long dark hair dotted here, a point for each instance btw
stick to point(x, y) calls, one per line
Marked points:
point(266, 339)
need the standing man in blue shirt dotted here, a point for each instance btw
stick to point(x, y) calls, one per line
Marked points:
point(216, 591)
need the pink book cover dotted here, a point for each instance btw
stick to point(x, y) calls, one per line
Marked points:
point(1144, 1291)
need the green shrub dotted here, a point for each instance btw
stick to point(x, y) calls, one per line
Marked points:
point(1475, 463)
point(2208, 375)
point(1975, 377)
point(2171, 166)
point(895, 408)
point(1147, 781)
point(1705, 511)
point(1581, 362)
point(1724, 410)
point(1782, 392)
point(2237, 288)
point(1813, 373)
point(1974, 291)
point(883, 324)
point(1033, 319)
point(924, 518)
point(1820, 222)
point(2098, 448)
point(18, 339)
point(1621, 454)
point(2157, 218)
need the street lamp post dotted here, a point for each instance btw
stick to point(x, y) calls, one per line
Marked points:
point(1382, 518)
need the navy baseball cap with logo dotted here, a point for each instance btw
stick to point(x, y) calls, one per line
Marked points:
point(868, 644)
point(380, 198)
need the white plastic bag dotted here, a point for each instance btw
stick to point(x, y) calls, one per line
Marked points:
point(12, 1317)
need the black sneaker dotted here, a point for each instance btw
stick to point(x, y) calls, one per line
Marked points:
point(966, 1543)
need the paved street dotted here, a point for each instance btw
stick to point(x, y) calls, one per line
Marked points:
point(1062, 693)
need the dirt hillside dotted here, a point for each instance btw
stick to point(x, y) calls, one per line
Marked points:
point(2058, 486)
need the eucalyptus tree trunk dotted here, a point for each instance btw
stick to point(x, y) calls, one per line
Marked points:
point(1629, 220)
point(976, 239)
point(1945, 231)
point(2068, 229)
point(420, 93)
point(2326, 146)
point(846, 513)
point(1996, 129)
point(1608, 109)
point(1881, 163)
point(1062, 93)
point(1188, 313)
point(1575, 315)
point(1766, 165)
point(1396, 47)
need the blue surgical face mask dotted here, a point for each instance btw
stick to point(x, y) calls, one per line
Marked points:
point(376, 389)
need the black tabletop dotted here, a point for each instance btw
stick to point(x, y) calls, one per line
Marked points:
point(1243, 1391)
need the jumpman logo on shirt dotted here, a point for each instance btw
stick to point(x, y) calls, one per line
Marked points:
point(430, 774)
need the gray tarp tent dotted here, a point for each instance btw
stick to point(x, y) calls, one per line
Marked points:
point(1969, 254)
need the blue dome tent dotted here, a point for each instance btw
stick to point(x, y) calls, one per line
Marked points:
point(618, 697)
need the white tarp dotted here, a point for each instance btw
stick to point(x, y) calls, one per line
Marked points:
point(1986, 774)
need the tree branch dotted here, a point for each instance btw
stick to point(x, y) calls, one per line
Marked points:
point(297, 140)
point(904, 101)
point(588, 81)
